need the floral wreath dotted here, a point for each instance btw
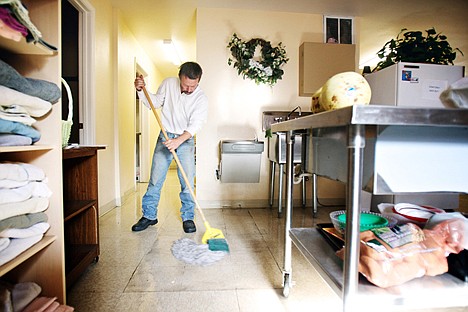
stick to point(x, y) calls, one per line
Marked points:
point(265, 69)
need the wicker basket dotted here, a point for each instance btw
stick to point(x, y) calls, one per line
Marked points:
point(67, 124)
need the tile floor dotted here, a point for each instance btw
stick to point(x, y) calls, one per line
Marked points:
point(137, 271)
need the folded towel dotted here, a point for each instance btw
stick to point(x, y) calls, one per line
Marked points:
point(5, 300)
point(12, 127)
point(40, 304)
point(23, 221)
point(23, 294)
point(14, 101)
point(38, 228)
point(42, 89)
point(18, 117)
point(32, 205)
point(9, 139)
point(4, 243)
point(19, 171)
point(32, 189)
point(18, 246)
point(8, 19)
point(7, 32)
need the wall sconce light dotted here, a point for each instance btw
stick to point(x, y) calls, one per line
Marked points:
point(171, 52)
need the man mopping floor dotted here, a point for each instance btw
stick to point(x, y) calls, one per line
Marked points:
point(183, 250)
point(184, 109)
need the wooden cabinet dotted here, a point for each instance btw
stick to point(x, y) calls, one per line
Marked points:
point(320, 61)
point(43, 263)
point(81, 216)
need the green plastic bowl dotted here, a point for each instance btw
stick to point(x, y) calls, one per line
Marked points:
point(368, 220)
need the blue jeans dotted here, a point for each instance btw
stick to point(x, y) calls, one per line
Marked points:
point(162, 158)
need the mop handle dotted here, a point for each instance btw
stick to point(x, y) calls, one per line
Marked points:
point(182, 171)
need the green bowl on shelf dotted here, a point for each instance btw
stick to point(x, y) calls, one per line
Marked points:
point(368, 220)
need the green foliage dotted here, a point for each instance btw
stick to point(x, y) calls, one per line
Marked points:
point(414, 47)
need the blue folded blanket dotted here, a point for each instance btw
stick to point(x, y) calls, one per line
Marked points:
point(42, 89)
point(13, 127)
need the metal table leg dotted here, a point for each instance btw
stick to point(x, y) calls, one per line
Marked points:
point(304, 190)
point(314, 195)
point(356, 143)
point(287, 269)
point(272, 181)
point(280, 190)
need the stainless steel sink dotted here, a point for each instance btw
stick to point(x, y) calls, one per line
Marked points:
point(277, 141)
point(277, 151)
point(277, 147)
point(271, 117)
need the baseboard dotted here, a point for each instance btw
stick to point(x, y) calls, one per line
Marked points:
point(262, 203)
point(107, 207)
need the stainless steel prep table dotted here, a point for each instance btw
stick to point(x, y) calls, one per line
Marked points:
point(344, 279)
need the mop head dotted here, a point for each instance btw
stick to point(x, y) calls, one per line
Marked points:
point(218, 244)
point(190, 252)
point(215, 239)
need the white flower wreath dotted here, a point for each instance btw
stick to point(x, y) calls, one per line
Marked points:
point(262, 69)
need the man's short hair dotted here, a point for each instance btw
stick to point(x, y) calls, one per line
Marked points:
point(191, 69)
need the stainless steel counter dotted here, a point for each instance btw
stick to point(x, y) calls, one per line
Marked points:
point(352, 122)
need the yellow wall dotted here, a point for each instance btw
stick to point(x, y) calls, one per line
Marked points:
point(103, 109)
point(116, 52)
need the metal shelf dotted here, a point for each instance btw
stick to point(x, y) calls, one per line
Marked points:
point(426, 292)
point(352, 123)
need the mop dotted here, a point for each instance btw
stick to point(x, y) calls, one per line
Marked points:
point(213, 239)
point(188, 251)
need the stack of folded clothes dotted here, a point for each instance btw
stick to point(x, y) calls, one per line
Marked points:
point(26, 297)
point(24, 196)
point(16, 24)
point(23, 99)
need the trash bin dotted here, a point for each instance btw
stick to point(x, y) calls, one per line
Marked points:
point(240, 161)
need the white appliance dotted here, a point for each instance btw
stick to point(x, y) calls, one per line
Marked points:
point(412, 84)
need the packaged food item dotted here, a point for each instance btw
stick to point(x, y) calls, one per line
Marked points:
point(393, 256)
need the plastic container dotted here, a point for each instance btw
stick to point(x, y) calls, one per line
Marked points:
point(368, 220)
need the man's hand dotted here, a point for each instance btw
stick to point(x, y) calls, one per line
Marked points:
point(173, 144)
point(139, 83)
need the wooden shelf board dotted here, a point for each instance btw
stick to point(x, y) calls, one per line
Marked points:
point(43, 243)
point(78, 257)
point(26, 148)
point(23, 47)
point(74, 207)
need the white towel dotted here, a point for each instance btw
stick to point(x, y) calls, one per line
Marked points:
point(38, 228)
point(32, 205)
point(32, 189)
point(17, 246)
point(21, 172)
point(16, 102)
point(4, 242)
point(18, 117)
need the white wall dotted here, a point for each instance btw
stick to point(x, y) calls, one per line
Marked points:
point(236, 105)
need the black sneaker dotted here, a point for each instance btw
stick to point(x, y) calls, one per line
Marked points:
point(189, 226)
point(142, 224)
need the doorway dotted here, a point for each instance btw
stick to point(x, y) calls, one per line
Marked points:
point(142, 135)
point(77, 59)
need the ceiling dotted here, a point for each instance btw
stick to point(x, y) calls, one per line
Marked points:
point(152, 21)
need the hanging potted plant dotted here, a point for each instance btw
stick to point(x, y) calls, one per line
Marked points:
point(414, 47)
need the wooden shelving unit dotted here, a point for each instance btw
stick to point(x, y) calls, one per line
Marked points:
point(44, 262)
point(81, 216)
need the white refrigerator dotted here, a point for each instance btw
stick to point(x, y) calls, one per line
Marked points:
point(414, 85)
